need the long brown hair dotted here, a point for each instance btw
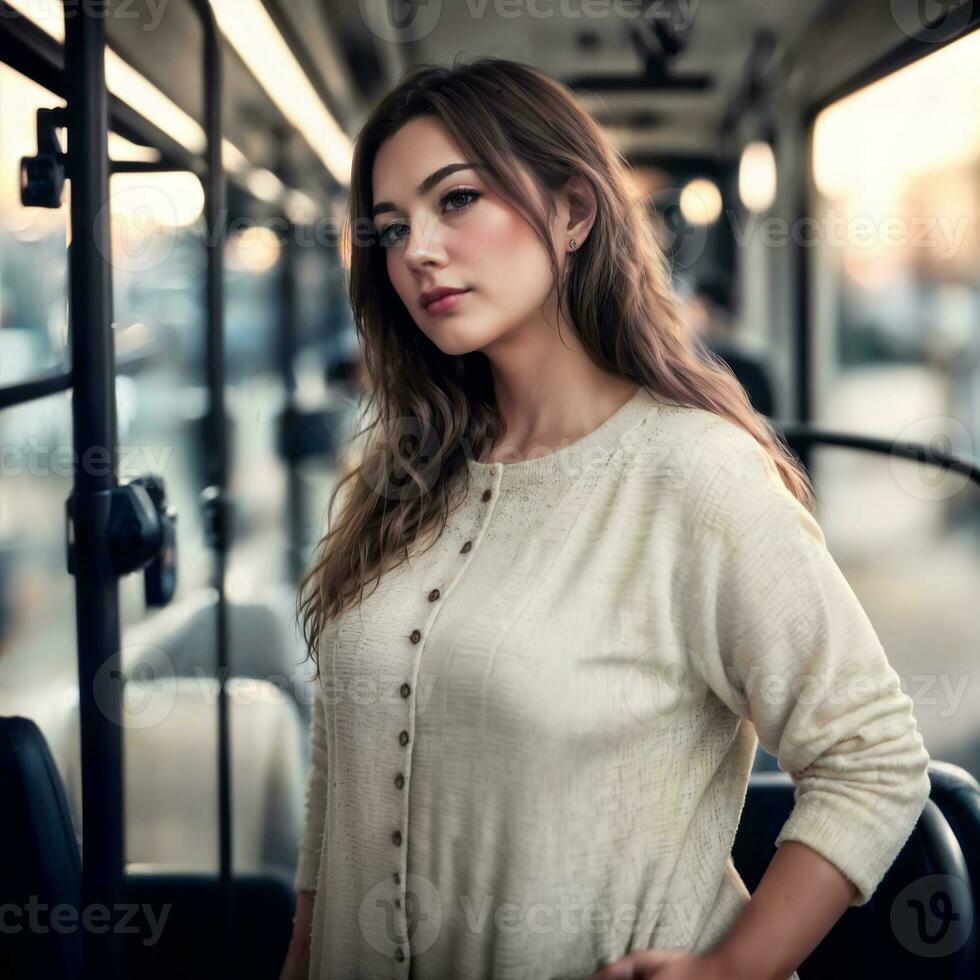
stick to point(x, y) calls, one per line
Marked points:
point(430, 408)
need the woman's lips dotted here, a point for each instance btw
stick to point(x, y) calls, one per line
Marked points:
point(445, 304)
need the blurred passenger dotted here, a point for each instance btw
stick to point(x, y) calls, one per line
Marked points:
point(709, 312)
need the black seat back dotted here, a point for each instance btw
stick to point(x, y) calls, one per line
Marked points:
point(957, 794)
point(916, 924)
point(40, 865)
point(175, 932)
point(170, 926)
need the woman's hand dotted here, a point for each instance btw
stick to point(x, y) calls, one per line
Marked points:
point(663, 964)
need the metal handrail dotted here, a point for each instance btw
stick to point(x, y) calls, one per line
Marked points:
point(798, 434)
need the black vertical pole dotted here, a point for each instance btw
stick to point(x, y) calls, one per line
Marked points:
point(217, 453)
point(287, 357)
point(803, 326)
point(94, 438)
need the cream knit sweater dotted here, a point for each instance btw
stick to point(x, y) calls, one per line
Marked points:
point(531, 745)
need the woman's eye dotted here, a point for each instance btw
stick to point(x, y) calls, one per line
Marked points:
point(384, 236)
point(468, 196)
point(463, 197)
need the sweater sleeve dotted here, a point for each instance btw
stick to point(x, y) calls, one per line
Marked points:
point(780, 637)
point(316, 799)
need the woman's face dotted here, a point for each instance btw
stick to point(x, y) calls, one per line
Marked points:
point(456, 232)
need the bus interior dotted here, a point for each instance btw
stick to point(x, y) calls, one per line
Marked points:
point(173, 311)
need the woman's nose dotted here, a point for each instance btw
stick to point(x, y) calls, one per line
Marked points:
point(424, 244)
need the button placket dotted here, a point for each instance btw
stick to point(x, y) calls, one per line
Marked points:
point(404, 737)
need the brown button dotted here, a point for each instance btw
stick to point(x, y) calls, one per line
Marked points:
point(398, 878)
point(416, 636)
point(486, 494)
point(466, 547)
point(406, 689)
point(433, 595)
point(403, 737)
point(398, 903)
point(396, 838)
point(399, 782)
point(399, 955)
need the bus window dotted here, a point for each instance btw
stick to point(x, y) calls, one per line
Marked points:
point(157, 266)
point(38, 660)
point(896, 300)
point(33, 261)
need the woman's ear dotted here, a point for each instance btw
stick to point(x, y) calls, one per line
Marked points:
point(579, 198)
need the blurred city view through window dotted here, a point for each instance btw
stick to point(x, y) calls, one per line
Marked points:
point(896, 301)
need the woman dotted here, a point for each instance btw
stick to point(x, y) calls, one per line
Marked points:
point(595, 578)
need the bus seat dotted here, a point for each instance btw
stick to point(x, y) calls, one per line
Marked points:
point(39, 856)
point(263, 641)
point(864, 941)
point(957, 793)
point(171, 751)
point(186, 944)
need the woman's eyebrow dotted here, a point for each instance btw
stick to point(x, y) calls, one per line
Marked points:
point(426, 184)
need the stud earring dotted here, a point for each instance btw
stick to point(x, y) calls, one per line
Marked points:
point(572, 243)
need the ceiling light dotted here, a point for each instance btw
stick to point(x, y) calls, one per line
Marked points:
point(701, 202)
point(757, 176)
point(253, 34)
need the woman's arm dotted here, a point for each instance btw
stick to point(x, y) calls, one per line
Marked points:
point(776, 632)
point(798, 901)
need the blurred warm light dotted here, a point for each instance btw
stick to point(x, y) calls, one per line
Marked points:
point(265, 185)
point(907, 125)
point(254, 249)
point(757, 176)
point(134, 89)
point(163, 200)
point(301, 209)
point(254, 35)
point(129, 85)
point(233, 158)
point(701, 202)
point(121, 148)
point(645, 181)
point(49, 15)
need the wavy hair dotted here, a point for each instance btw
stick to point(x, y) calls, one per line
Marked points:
point(428, 407)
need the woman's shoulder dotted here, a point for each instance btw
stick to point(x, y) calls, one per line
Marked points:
point(698, 442)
